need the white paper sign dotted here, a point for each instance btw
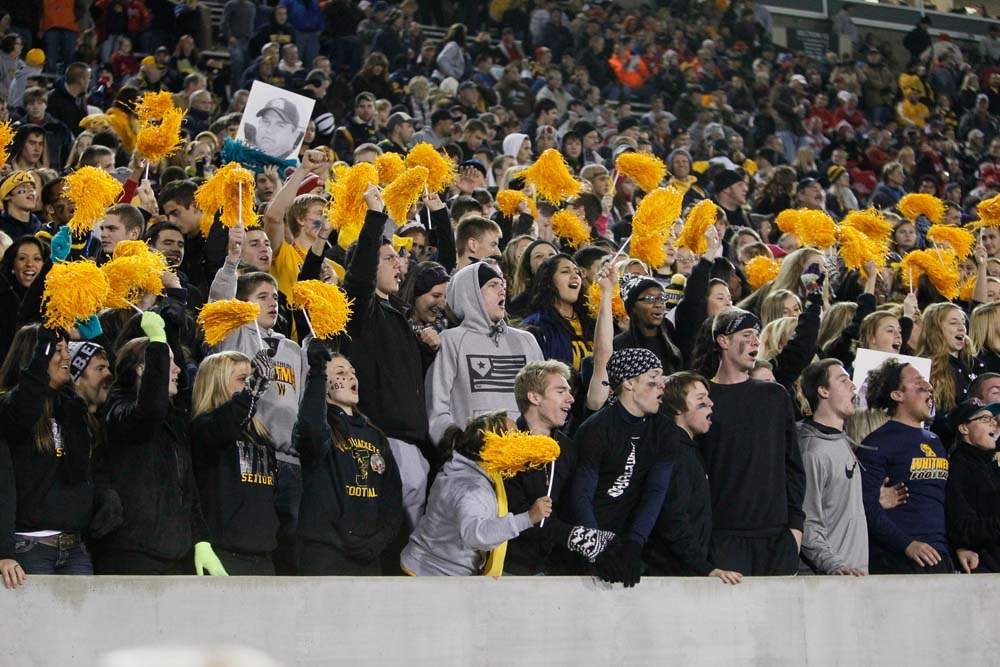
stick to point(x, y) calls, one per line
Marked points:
point(865, 361)
point(275, 120)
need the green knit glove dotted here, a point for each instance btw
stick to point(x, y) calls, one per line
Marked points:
point(205, 560)
point(154, 327)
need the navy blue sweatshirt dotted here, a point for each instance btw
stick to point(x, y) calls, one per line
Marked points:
point(623, 472)
point(351, 493)
point(236, 470)
point(916, 457)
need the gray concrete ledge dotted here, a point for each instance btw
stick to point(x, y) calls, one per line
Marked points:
point(932, 620)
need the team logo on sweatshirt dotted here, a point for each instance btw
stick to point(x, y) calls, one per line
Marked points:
point(284, 376)
point(494, 373)
point(928, 466)
point(624, 479)
point(256, 463)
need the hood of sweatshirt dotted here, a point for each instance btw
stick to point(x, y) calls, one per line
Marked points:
point(466, 300)
point(808, 430)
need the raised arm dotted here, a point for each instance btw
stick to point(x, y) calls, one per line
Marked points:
point(604, 334)
point(274, 217)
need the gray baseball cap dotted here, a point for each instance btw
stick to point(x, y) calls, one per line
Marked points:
point(284, 108)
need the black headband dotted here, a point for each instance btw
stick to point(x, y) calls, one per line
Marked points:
point(744, 320)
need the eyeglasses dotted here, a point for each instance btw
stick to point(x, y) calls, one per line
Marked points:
point(663, 298)
point(988, 419)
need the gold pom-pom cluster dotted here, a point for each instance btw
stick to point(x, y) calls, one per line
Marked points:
point(218, 319)
point(507, 454)
point(440, 169)
point(569, 227)
point(645, 169)
point(402, 194)
point(918, 203)
point(761, 270)
point(551, 177)
point(327, 306)
point(231, 190)
point(73, 291)
point(653, 222)
point(92, 191)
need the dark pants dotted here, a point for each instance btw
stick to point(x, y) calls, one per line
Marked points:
point(289, 496)
point(881, 562)
point(769, 556)
point(322, 560)
point(245, 565)
point(38, 558)
point(59, 47)
point(137, 563)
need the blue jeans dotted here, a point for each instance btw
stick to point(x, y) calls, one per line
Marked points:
point(38, 558)
point(308, 43)
point(59, 46)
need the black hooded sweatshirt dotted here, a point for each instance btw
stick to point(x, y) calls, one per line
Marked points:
point(147, 460)
point(972, 504)
point(352, 499)
point(236, 471)
point(55, 489)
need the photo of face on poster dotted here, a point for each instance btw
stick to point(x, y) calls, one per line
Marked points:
point(865, 361)
point(275, 120)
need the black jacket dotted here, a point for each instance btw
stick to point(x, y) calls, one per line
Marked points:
point(842, 347)
point(147, 460)
point(55, 489)
point(678, 545)
point(528, 552)
point(8, 503)
point(236, 470)
point(352, 497)
point(972, 504)
point(669, 354)
point(382, 346)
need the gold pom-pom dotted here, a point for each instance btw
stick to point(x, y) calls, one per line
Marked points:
point(347, 208)
point(153, 106)
point(157, 140)
point(787, 220)
point(965, 293)
point(507, 454)
point(440, 169)
point(700, 166)
point(960, 240)
point(92, 191)
point(551, 177)
point(73, 290)
point(940, 266)
point(569, 227)
point(509, 200)
point(400, 195)
point(223, 191)
point(857, 249)
point(761, 270)
point(218, 319)
point(645, 169)
point(869, 222)
point(918, 203)
point(702, 216)
point(816, 229)
point(594, 293)
point(389, 166)
point(989, 212)
point(130, 276)
point(652, 225)
point(6, 137)
point(327, 306)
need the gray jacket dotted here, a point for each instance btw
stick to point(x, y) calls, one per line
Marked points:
point(835, 534)
point(461, 526)
point(279, 406)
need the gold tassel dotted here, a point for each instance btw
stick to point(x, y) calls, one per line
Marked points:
point(959, 240)
point(73, 291)
point(989, 212)
point(918, 203)
point(160, 139)
point(787, 220)
point(92, 191)
point(762, 270)
point(153, 106)
point(569, 227)
point(389, 167)
point(645, 169)
point(328, 307)
point(551, 177)
point(440, 169)
point(131, 276)
point(816, 229)
point(857, 249)
point(402, 194)
point(594, 294)
point(222, 191)
point(869, 222)
point(702, 216)
point(940, 266)
point(347, 209)
point(220, 318)
point(512, 452)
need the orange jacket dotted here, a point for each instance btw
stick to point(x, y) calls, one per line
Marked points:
point(633, 77)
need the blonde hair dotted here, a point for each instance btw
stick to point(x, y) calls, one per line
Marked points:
point(773, 305)
point(211, 384)
point(775, 335)
point(934, 346)
point(984, 328)
point(869, 325)
point(834, 322)
point(860, 424)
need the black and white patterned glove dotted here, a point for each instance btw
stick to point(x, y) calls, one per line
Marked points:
point(261, 373)
point(589, 542)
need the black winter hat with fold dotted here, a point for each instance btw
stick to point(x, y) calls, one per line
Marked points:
point(726, 178)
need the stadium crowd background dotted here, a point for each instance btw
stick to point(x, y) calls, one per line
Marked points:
point(136, 447)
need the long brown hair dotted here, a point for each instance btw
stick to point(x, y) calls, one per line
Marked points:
point(18, 356)
point(934, 346)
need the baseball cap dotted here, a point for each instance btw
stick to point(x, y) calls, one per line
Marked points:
point(476, 164)
point(148, 60)
point(969, 408)
point(801, 79)
point(397, 118)
point(806, 182)
point(284, 108)
point(14, 180)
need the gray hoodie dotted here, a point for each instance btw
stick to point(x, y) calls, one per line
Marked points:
point(461, 526)
point(473, 372)
point(835, 534)
point(279, 406)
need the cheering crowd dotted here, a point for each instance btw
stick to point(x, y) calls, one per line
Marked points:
point(695, 391)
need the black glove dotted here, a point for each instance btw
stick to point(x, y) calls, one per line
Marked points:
point(47, 341)
point(317, 354)
point(589, 542)
point(109, 514)
point(631, 555)
point(609, 564)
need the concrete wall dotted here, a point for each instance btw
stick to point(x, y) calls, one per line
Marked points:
point(933, 620)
